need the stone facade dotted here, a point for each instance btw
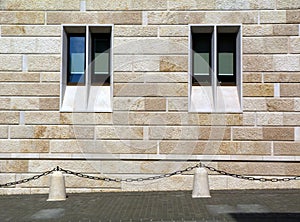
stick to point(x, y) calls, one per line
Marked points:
point(150, 130)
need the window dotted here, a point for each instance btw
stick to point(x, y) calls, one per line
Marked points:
point(86, 69)
point(215, 68)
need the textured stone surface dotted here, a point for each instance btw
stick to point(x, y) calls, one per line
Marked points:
point(286, 63)
point(32, 5)
point(49, 103)
point(9, 118)
point(29, 89)
point(252, 77)
point(290, 90)
point(44, 63)
point(271, 119)
point(23, 18)
point(174, 30)
point(285, 30)
point(24, 146)
point(280, 104)
point(286, 148)
point(118, 18)
point(265, 45)
point(14, 166)
point(258, 63)
point(134, 31)
point(19, 77)
point(295, 45)
point(3, 132)
point(279, 133)
point(273, 17)
point(257, 30)
point(119, 132)
point(11, 62)
point(287, 4)
point(258, 90)
point(282, 77)
point(126, 5)
point(292, 16)
point(30, 30)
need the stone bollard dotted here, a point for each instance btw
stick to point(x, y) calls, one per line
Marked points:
point(57, 189)
point(201, 186)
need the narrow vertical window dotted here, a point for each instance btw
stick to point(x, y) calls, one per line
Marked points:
point(76, 59)
point(100, 59)
point(226, 68)
point(201, 59)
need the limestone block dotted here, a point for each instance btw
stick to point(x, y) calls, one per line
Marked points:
point(175, 18)
point(257, 104)
point(245, 5)
point(9, 118)
point(169, 77)
point(50, 76)
point(189, 132)
point(294, 45)
point(47, 118)
point(44, 63)
point(265, 45)
point(26, 18)
point(85, 118)
point(257, 63)
point(29, 89)
point(285, 29)
point(32, 5)
point(24, 146)
point(119, 132)
point(290, 90)
point(49, 103)
point(40, 183)
point(249, 119)
point(150, 89)
point(258, 90)
point(136, 63)
point(7, 177)
point(94, 5)
point(282, 77)
point(31, 45)
point(63, 132)
point(103, 146)
point(278, 133)
point(28, 30)
point(152, 46)
point(21, 132)
point(14, 166)
point(280, 105)
point(230, 17)
point(273, 17)
point(10, 62)
point(288, 4)
point(292, 16)
point(269, 119)
point(155, 104)
point(117, 18)
point(19, 77)
point(291, 119)
point(286, 62)
point(252, 77)
point(5, 103)
point(173, 63)
point(15, 191)
point(173, 30)
point(191, 5)
point(177, 104)
point(129, 103)
point(3, 132)
point(249, 133)
point(257, 30)
point(287, 148)
point(135, 31)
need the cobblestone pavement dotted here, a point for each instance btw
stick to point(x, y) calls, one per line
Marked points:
point(255, 205)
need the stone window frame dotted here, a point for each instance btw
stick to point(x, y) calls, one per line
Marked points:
point(87, 97)
point(215, 98)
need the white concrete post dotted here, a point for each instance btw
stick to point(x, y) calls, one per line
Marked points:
point(57, 189)
point(201, 186)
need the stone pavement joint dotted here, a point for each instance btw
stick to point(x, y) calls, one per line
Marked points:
point(226, 205)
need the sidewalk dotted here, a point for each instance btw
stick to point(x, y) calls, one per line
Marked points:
point(254, 205)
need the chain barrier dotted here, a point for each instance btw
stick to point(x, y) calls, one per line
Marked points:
point(27, 179)
point(178, 172)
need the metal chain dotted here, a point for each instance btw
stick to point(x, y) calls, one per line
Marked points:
point(261, 179)
point(108, 179)
point(27, 179)
point(178, 172)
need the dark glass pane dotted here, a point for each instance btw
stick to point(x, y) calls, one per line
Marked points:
point(76, 59)
point(202, 59)
point(226, 58)
point(101, 59)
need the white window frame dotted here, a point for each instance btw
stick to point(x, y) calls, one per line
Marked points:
point(215, 98)
point(85, 98)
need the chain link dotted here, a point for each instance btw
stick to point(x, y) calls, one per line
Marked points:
point(26, 180)
point(261, 179)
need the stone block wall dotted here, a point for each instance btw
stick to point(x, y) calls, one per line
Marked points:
point(150, 131)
